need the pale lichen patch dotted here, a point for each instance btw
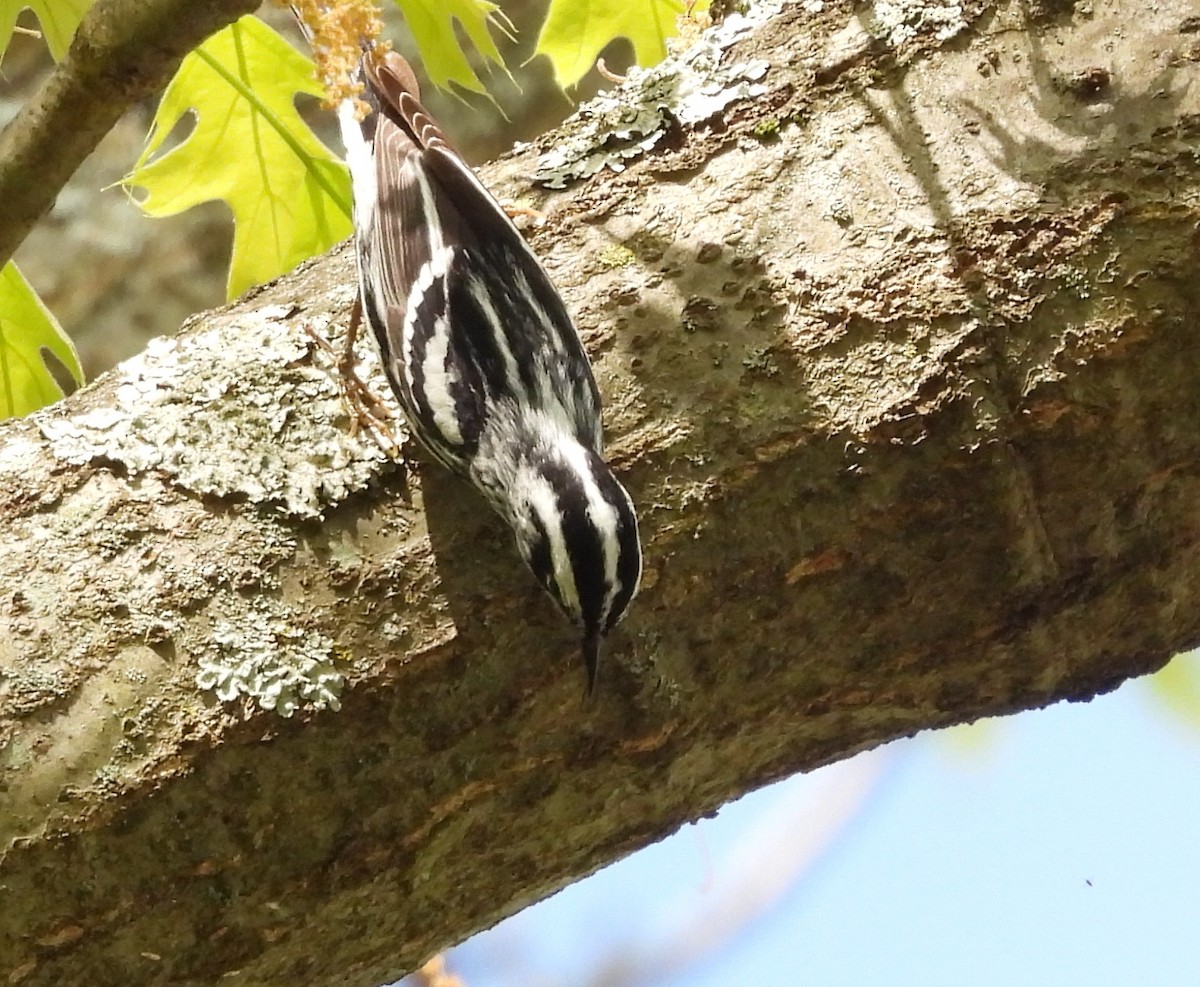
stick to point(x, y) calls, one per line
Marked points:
point(258, 651)
point(899, 21)
point(244, 413)
point(689, 88)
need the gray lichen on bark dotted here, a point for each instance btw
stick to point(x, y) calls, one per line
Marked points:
point(183, 410)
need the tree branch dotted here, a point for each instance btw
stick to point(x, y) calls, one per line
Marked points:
point(899, 362)
point(122, 52)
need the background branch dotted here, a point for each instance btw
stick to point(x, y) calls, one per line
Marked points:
point(899, 366)
point(123, 51)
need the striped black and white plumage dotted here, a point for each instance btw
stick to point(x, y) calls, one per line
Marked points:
point(482, 355)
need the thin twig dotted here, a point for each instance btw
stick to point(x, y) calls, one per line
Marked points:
point(606, 73)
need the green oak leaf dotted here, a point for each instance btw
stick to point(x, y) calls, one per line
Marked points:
point(290, 196)
point(432, 25)
point(58, 20)
point(1177, 686)
point(576, 31)
point(27, 328)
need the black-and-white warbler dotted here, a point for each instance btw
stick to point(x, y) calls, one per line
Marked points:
point(482, 355)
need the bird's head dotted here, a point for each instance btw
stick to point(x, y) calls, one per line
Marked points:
point(576, 529)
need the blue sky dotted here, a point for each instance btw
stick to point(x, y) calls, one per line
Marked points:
point(1056, 847)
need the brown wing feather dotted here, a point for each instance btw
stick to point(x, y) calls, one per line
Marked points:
point(401, 220)
point(396, 84)
point(431, 201)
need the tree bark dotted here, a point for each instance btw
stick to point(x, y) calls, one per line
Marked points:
point(900, 361)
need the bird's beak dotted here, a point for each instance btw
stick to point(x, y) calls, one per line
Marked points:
point(591, 659)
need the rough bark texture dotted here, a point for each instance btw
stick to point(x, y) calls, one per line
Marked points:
point(900, 363)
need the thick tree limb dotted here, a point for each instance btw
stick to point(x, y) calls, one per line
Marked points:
point(900, 363)
point(123, 51)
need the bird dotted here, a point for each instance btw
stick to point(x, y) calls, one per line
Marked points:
point(481, 353)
